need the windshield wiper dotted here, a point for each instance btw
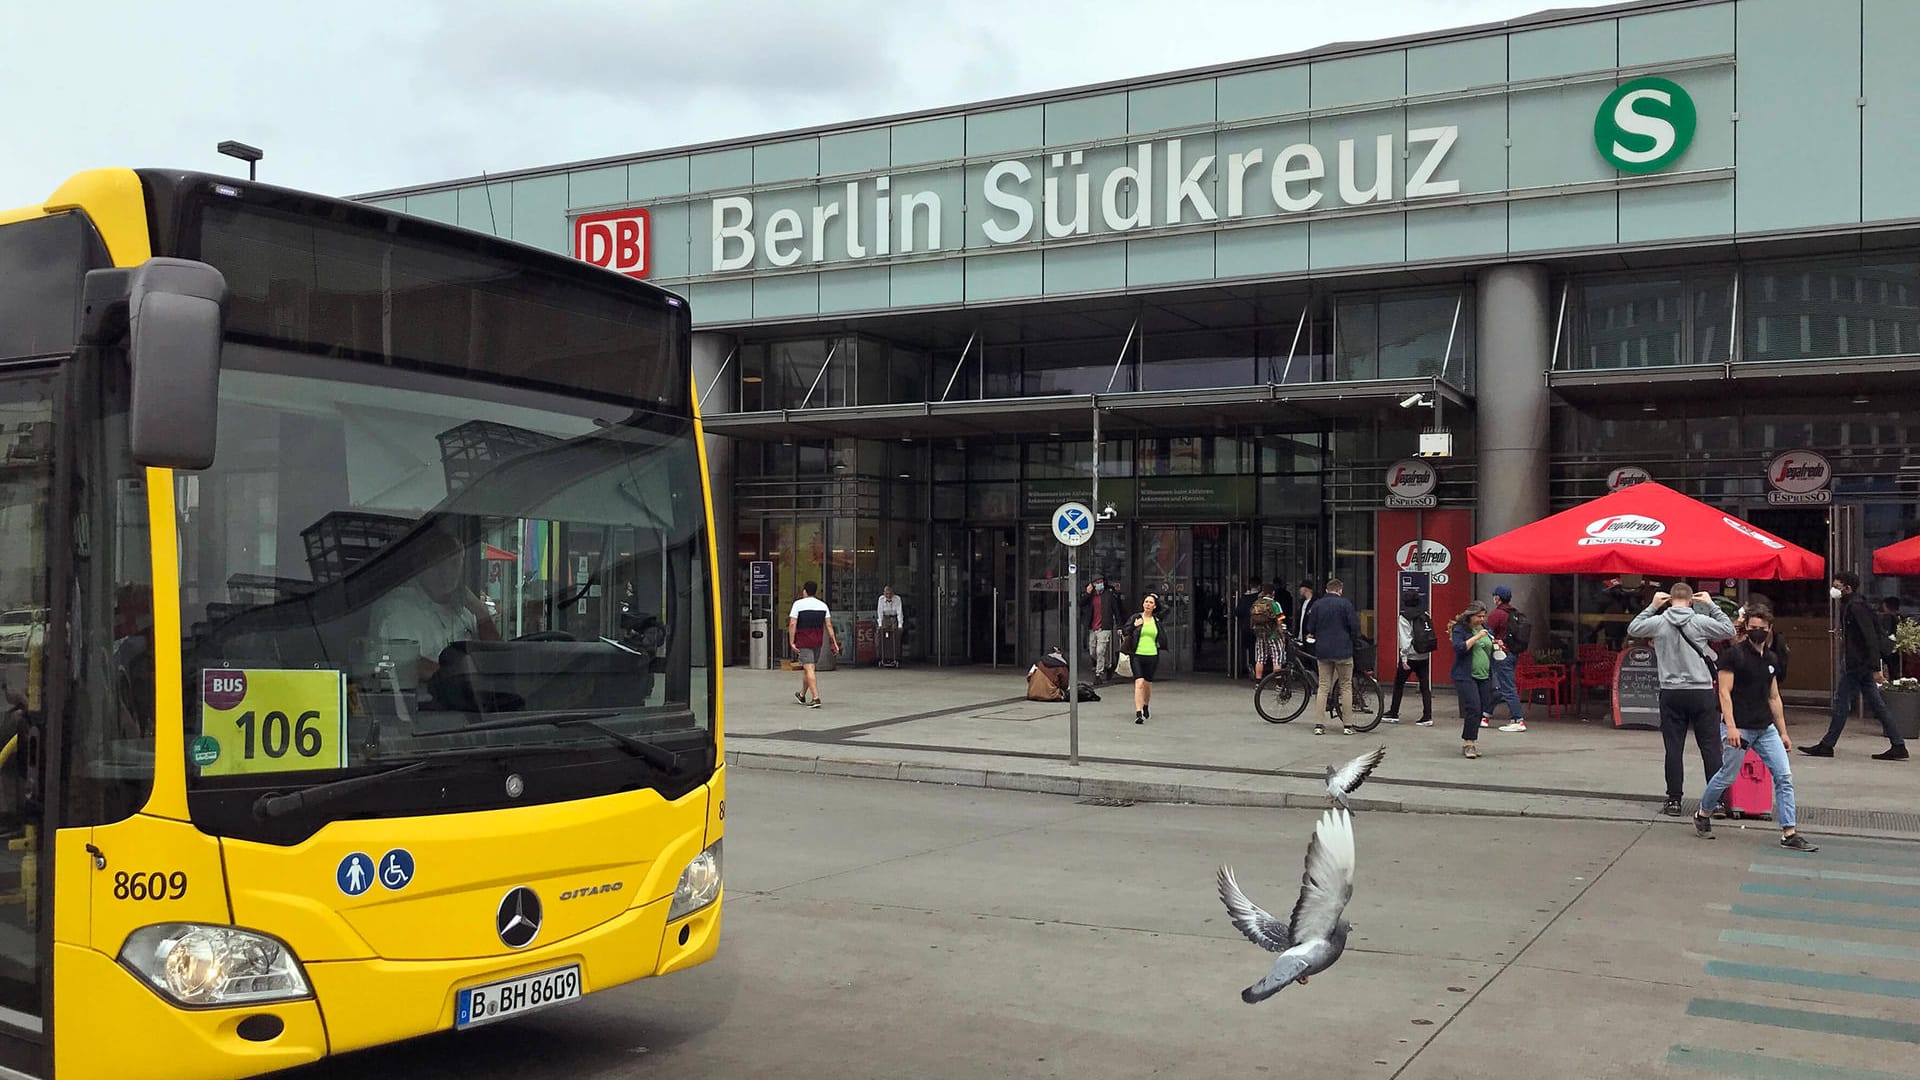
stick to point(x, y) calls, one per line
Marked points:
point(657, 756)
point(270, 805)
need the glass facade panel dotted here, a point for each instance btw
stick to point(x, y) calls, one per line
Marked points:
point(1415, 333)
point(1713, 318)
point(1076, 367)
point(1198, 361)
point(1634, 324)
point(1812, 312)
point(753, 378)
point(1356, 339)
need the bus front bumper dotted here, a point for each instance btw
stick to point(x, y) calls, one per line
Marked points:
point(371, 1002)
point(124, 1028)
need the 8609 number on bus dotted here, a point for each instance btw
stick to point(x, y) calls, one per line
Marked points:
point(511, 997)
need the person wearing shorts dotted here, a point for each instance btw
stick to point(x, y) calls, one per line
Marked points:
point(1268, 627)
point(810, 628)
point(1146, 657)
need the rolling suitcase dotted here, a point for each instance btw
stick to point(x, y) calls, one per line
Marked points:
point(1751, 793)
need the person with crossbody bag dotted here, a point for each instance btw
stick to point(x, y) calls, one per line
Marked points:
point(1679, 624)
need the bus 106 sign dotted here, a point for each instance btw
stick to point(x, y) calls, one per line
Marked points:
point(1410, 485)
point(615, 240)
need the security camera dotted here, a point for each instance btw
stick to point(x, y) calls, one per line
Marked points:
point(1412, 400)
point(1107, 512)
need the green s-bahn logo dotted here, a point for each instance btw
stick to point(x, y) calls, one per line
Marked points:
point(1644, 125)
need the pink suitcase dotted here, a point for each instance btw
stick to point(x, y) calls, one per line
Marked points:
point(1751, 794)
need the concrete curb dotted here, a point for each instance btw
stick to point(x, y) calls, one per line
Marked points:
point(1141, 790)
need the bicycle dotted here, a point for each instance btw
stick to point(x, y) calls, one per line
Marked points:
point(1285, 692)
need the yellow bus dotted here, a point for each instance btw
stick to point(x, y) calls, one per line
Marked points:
point(376, 691)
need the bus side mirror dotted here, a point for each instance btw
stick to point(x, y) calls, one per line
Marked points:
point(172, 312)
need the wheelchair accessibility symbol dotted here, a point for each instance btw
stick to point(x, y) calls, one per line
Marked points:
point(396, 869)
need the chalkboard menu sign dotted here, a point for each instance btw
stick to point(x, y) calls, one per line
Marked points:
point(1636, 688)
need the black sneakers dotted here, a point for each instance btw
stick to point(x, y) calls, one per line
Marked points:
point(1892, 753)
point(1672, 809)
point(1703, 826)
point(1796, 842)
point(1818, 750)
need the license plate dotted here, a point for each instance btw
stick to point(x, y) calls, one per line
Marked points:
point(511, 997)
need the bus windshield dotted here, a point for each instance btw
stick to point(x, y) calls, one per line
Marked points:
point(450, 566)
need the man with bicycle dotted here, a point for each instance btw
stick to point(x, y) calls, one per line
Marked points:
point(1333, 626)
point(1268, 628)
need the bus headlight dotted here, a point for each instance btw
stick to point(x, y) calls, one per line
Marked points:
point(206, 966)
point(699, 883)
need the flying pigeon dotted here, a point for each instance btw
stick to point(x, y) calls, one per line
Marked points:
point(1341, 782)
point(1317, 934)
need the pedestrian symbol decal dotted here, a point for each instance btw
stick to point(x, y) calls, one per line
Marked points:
point(1072, 524)
point(355, 874)
point(396, 869)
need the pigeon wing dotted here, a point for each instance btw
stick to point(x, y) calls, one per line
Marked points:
point(1327, 883)
point(1259, 927)
point(1347, 778)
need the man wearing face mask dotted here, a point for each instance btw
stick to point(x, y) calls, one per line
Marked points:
point(1860, 674)
point(1750, 707)
point(1680, 624)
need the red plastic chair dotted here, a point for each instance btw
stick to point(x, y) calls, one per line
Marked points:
point(1529, 676)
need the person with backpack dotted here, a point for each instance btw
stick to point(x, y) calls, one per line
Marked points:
point(1512, 635)
point(1267, 631)
point(1417, 645)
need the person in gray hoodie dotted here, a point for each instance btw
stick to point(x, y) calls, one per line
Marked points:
point(1680, 624)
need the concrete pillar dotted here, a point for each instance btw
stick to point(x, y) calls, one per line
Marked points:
point(1514, 331)
point(709, 352)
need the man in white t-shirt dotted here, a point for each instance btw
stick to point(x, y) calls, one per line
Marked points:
point(434, 609)
point(810, 628)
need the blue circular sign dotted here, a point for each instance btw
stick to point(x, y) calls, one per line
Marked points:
point(355, 874)
point(396, 869)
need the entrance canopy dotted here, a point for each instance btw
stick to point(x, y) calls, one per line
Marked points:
point(1900, 558)
point(1650, 529)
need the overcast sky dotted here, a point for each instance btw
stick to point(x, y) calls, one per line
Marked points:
point(352, 96)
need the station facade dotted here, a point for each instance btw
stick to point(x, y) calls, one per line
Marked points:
point(1334, 314)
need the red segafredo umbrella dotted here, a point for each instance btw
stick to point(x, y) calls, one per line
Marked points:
point(1900, 558)
point(1650, 529)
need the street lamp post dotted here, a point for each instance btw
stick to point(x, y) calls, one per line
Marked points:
point(248, 154)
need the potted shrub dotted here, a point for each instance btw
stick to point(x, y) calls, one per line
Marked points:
point(1903, 695)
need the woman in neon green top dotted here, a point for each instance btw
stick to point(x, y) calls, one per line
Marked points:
point(1146, 657)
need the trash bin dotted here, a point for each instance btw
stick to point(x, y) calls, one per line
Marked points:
point(759, 649)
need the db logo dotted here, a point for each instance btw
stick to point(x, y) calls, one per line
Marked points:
point(1624, 529)
point(615, 239)
point(1428, 556)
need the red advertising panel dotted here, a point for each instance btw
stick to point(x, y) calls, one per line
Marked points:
point(1430, 548)
point(614, 239)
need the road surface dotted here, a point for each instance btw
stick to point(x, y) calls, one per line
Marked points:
point(890, 930)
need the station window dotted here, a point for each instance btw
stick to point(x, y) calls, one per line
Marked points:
point(1831, 310)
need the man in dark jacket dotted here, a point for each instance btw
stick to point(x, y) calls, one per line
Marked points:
point(1863, 648)
point(1334, 627)
point(1100, 613)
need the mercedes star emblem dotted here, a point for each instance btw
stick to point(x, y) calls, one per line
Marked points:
point(515, 786)
point(518, 919)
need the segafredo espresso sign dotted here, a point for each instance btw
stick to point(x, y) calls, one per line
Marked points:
point(1410, 485)
point(1062, 195)
point(1799, 477)
point(1429, 557)
point(1632, 530)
